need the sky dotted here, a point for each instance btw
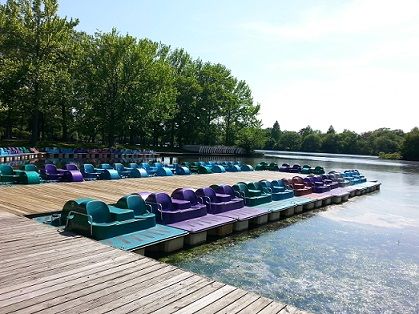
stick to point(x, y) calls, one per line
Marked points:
point(353, 64)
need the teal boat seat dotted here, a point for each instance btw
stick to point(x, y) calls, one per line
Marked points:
point(251, 197)
point(137, 204)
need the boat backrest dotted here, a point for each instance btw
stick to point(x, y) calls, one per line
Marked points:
point(266, 184)
point(255, 186)
point(297, 180)
point(30, 167)
point(118, 166)
point(207, 192)
point(50, 168)
point(105, 166)
point(185, 194)
point(6, 169)
point(71, 167)
point(134, 202)
point(224, 189)
point(241, 187)
point(88, 168)
point(164, 200)
point(99, 211)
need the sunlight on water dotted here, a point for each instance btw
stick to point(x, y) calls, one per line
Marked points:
point(359, 257)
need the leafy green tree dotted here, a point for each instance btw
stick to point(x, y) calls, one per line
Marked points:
point(306, 131)
point(311, 143)
point(331, 143)
point(410, 148)
point(331, 130)
point(33, 45)
point(290, 140)
point(276, 132)
point(251, 138)
point(350, 142)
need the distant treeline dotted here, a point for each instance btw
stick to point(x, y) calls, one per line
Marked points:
point(390, 144)
point(59, 84)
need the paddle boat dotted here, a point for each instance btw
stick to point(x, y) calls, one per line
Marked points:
point(218, 168)
point(284, 168)
point(25, 175)
point(183, 211)
point(245, 167)
point(224, 202)
point(182, 170)
point(261, 166)
point(126, 225)
point(306, 169)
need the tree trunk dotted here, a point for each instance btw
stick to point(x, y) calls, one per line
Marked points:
point(35, 127)
point(64, 124)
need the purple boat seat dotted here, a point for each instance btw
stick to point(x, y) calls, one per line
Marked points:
point(329, 181)
point(72, 173)
point(167, 212)
point(234, 208)
point(52, 173)
point(189, 195)
point(218, 203)
point(317, 186)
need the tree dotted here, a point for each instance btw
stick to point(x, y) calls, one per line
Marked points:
point(330, 143)
point(251, 138)
point(276, 132)
point(306, 131)
point(410, 148)
point(331, 130)
point(290, 140)
point(33, 44)
point(311, 143)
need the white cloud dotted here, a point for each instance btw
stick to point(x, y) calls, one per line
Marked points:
point(356, 17)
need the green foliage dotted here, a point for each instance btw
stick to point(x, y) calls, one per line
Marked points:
point(392, 156)
point(311, 143)
point(410, 148)
point(34, 48)
point(110, 88)
point(290, 140)
point(251, 138)
point(389, 144)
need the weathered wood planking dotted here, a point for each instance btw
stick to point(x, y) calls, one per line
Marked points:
point(72, 274)
point(35, 199)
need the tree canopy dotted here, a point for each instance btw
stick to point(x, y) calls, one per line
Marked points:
point(57, 83)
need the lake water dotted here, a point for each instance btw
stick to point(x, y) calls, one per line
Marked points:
point(358, 257)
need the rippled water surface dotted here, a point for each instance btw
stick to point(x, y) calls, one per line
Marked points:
point(359, 257)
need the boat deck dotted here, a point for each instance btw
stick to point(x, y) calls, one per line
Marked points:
point(43, 270)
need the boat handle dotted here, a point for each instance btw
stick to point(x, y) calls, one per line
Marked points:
point(159, 208)
point(89, 218)
point(149, 208)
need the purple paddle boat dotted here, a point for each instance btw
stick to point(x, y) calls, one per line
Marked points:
point(51, 173)
point(183, 211)
point(72, 173)
point(221, 200)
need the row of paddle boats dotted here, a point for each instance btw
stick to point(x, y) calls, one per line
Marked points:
point(296, 168)
point(30, 174)
point(159, 221)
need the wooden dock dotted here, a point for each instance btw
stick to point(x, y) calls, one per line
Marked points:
point(44, 270)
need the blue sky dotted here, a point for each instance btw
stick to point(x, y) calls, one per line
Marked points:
point(353, 64)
